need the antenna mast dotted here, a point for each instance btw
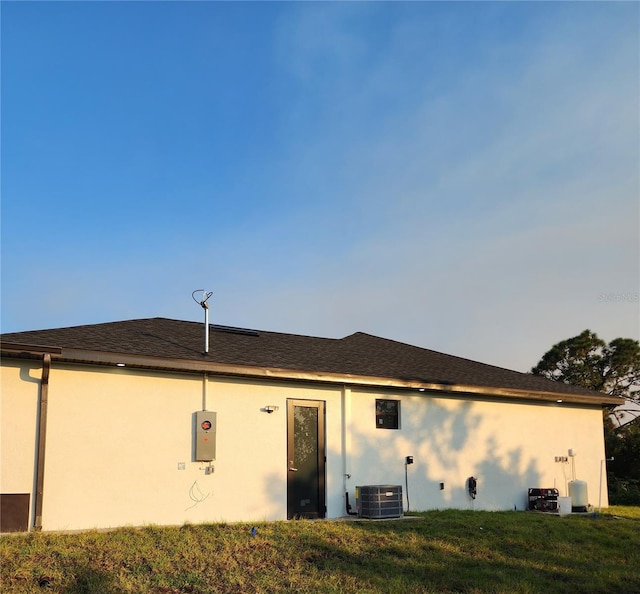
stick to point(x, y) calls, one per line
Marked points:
point(203, 303)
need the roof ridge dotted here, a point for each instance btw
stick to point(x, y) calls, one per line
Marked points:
point(441, 353)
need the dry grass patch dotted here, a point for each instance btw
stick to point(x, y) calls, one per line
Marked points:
point(443, 551)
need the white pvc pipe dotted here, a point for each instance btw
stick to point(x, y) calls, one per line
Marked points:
point(205, 390)
point(600, 489)
point(206, 327)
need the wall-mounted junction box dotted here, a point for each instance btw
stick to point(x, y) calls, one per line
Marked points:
point(205, 436)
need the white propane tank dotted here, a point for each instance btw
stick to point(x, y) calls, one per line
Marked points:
point(578, 494)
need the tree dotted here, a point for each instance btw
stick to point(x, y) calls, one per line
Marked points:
point(622, 445)
point(586, 360)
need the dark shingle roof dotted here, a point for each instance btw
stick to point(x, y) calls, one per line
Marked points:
point(359, 354)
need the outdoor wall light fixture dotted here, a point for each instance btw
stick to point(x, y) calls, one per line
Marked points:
point(120, 365)
point(270, 408)
point(559, 400)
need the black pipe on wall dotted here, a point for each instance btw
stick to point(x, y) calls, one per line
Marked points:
point(42, 440)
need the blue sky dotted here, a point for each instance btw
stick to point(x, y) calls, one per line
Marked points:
point(460, 176)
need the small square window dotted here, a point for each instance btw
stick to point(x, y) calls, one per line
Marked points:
point(387, 414)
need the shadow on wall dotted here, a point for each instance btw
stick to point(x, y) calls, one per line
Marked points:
point(275, 490)
point(505, 478)
point(449, 442)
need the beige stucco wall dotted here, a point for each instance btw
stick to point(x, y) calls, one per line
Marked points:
point(508, 447)
point(19, 389)
point(117, 440)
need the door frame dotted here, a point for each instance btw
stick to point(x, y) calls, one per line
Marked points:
point(322, 456)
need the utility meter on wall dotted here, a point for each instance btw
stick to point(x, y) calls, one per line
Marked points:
point(205, 436)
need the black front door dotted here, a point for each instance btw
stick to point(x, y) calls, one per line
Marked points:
point(305, 459)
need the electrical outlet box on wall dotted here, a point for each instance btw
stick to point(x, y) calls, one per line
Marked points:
point(205, 436)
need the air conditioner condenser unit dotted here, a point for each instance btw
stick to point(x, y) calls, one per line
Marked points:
point(379, 501)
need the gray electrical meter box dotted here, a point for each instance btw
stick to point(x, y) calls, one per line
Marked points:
point(205, 436)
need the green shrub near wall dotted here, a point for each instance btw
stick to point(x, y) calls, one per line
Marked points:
point(623, 491)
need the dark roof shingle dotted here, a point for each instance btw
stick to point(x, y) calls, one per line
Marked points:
point(359, 354)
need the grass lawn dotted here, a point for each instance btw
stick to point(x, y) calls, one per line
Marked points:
point(441, 551)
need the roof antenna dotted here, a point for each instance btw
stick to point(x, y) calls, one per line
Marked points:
point(205, 306)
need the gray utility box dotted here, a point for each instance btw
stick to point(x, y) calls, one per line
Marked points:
point(205, 437)
point(379, 501)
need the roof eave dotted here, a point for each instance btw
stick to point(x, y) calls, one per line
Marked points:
point(22, 349)
point(88, 357)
